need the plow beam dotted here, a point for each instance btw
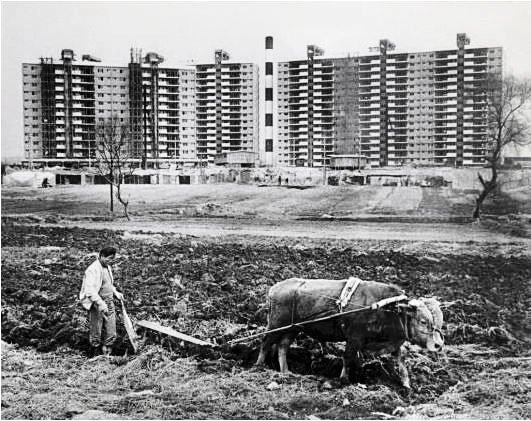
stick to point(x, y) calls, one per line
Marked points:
point(172, 332)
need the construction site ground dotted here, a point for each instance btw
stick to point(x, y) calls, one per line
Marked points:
point(201, 258)
point(352, 212)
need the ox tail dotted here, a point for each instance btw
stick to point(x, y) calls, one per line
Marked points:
point(264, 311)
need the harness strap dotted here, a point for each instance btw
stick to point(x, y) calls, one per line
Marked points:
point(294, 301)
point(403, 323)
point(349, 289)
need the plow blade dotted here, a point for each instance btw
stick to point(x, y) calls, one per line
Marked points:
point(171, 332)
point(131, 334)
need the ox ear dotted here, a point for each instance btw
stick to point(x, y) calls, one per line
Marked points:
point(411, 307)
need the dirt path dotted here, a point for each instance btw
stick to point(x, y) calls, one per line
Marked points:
point(320, 229)
point(232, 200)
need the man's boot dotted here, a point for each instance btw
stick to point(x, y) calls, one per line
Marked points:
point(106, 350)
point(94, 351)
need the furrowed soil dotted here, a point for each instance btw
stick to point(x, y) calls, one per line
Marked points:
point(214, 288)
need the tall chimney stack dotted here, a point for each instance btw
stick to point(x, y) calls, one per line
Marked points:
point(269, 101)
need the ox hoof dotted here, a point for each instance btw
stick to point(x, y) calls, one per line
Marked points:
point(405, 384)
point(345, 380)
point(407, 389)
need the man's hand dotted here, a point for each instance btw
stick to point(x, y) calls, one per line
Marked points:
point(104, 309)
point(119, 295)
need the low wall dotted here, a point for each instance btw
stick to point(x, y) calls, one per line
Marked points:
point(456, 178)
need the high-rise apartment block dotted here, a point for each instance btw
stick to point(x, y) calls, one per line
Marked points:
point(227, 107)
point(162, 110)
point(174, 115)
point(393, 108)
point(317, 110)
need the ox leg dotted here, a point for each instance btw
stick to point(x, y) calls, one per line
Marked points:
point(349, 357)
point(402, 370)
point(274, 350)
point(283, 346)
point(345, 372)
point(264, 350)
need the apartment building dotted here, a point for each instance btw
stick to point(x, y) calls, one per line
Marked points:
point(227, 108)
point(317, 109)
point(65, 101)
point(394, 108)
point(162, 106)
point(59, 109)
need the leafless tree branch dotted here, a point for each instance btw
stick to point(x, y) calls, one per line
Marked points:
point(114, 161)
point(509, 103)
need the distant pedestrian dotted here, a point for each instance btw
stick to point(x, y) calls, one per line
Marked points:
point(45, 183)
point(96, 295)
point(287, 181)
point(279, 180)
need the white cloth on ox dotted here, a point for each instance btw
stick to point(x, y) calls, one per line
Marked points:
point(348, 290)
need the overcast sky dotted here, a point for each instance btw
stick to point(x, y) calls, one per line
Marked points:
point(181, 31)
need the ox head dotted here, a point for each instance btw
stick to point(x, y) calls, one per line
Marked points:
point(425, 323)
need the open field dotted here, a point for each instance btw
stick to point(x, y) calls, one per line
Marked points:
point(353, 212)
point(270, 203)
point(213, 287)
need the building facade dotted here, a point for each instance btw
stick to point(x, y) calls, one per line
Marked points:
point(162, 110)
point(65, 102)
point(185, 115)
point(318, 113)
point(227, 108)
point(424, 108)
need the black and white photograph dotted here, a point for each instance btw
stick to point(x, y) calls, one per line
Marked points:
point(265, 210)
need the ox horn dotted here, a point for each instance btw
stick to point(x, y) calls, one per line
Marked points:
point(446, 304)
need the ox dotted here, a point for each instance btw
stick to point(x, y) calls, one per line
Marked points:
point(296, 300)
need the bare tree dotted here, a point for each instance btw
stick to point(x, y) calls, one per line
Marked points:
point(114, 158)
point(509, 101)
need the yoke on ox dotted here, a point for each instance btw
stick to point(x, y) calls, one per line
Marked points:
point(368, 316)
